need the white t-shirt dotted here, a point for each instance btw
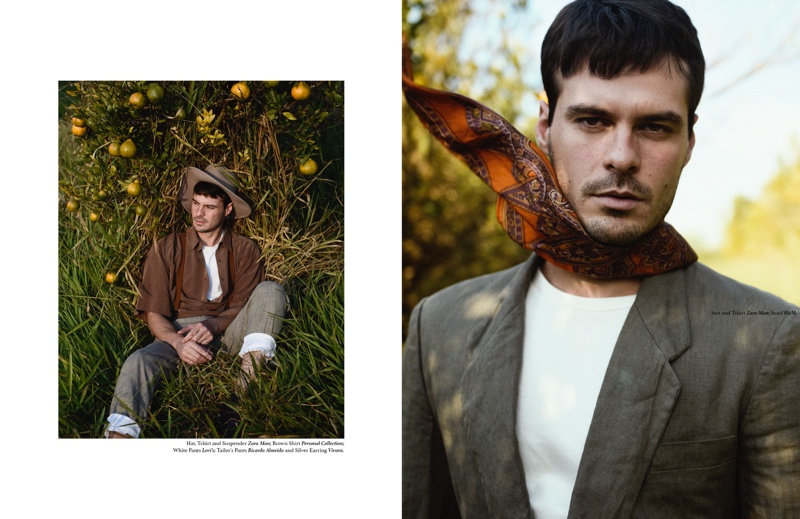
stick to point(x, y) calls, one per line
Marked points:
point(568, 343)
point(214, 287)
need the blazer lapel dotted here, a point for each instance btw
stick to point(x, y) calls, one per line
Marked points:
point(491, 383)
point(635, 402)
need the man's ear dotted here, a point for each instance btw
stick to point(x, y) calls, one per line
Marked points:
point(543, 125)
point(691, 143)
point(228, 209)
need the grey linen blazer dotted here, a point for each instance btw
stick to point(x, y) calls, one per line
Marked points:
point(698, 414)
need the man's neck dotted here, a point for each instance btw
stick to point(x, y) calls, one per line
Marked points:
point(585, 286)
point(211, 238)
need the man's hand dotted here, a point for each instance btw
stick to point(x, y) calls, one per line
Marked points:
point(201, 333)
point(192, 353)
point(189, 341)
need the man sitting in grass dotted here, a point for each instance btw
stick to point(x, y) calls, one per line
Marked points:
point(202, 291)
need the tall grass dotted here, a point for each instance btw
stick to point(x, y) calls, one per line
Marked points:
point(297, 222)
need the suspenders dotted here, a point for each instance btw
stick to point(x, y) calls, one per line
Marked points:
point(182, 263)
point(179, 276)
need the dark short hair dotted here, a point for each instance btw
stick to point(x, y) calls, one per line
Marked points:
point(214, 191)
point(614, 37)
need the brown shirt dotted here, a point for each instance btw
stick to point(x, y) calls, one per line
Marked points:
point(158, 285)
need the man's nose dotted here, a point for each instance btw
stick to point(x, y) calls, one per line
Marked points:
point(622, 152)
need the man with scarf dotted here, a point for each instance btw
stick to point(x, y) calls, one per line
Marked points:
point(608, 375)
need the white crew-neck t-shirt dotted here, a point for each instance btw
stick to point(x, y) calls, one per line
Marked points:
point(210, 256)
point(568, 342)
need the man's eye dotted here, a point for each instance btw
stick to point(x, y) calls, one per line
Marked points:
point(657, 128)
point(591, 122)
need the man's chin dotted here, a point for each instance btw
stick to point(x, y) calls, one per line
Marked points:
point(615, 232)
point(206, 227)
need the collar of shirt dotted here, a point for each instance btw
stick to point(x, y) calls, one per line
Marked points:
point(193, 240)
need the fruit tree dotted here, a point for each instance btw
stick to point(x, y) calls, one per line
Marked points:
point(122, 151)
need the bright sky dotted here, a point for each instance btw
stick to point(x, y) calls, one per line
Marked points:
point(742, 133)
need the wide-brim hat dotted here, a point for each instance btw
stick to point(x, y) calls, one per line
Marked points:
point(219, 176)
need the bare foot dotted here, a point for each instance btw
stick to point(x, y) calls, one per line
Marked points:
point(249, 363)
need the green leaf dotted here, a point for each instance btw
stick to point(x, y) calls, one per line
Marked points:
point(289, 116)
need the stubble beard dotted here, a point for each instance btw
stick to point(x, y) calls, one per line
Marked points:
point(614, 227)
point(206, 227)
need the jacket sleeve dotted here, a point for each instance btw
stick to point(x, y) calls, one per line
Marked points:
point(427, 487)
point(769, 452)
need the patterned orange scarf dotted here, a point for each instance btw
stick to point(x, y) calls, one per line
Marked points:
point(530, 206)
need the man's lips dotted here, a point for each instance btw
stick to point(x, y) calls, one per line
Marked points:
point(619, 200)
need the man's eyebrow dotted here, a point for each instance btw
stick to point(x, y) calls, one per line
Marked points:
point(666, 116)
point(210, 204)
point(584, 109)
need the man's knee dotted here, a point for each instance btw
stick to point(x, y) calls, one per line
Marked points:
point(270, 287)
point(135, 360)
point(273, 295)
point(150, 359)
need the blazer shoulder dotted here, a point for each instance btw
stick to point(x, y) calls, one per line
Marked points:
point(492, 283)
point(717, 288)
point(732, 312)
point(462, 304)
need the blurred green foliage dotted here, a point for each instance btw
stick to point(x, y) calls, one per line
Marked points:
point(772, 221)
point(762, 240)
point(450, 231)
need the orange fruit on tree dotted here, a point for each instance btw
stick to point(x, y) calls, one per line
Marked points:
point(78, 122)
point(79, 131)
point(181, 114)
point(155, 94)
point(309, 167)
point(301, 91)
point(137, 100)
point(127, 149)
point(94, 216)
point(113, 148)
point(111, 277)
point(240, 91)
point(134, 188)
point(140, 210)
point(73, 205)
